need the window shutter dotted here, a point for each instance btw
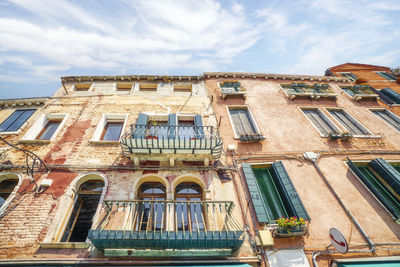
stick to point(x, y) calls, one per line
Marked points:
point(198, 125)
point(289, 193)
point(255, 193)
point(236, 121)
point(386, 200)
point(387, 172)
point(172, 123)
point(246, 121)
point(393, 95)
point(141, 125)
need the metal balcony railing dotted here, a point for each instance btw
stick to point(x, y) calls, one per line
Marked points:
point(167, 224)
point(171, 139)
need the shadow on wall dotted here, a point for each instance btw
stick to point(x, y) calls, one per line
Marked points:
point(385, 216)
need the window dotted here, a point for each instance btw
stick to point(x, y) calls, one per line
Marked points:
point(349, 75)
point(48, 130)
point(6, 188)
point(388, 117)
point(110, 128)
point(82, 86)
point(386, 75)
point(242, 121)
point(389, 96)
point(189, 215)
point(348, 122)
point(272, 192)
point(124, 86)
point(16, 120)
point(148, 87)
point(320, 121)
point(46, 127)
point(183, 87)
point(383, 181)
point(83, 210)
point(151, 214)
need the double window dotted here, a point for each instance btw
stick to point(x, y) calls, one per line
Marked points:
point(383, 181)
point(153, 209)
point(272, 192)
point(16, 120)
point(389, 96)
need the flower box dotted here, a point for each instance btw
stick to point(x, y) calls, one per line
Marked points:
point(247, 138)
point(295, 231)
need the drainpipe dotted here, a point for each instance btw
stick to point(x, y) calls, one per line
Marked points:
point(313, 157)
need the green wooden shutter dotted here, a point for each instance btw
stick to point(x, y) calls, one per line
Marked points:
point(387, 172)
point(198, 125)
point(172, 123)
point(141, 125)
point(255, 193)
point(379, 191)
point(289, 194)
point(393, 95)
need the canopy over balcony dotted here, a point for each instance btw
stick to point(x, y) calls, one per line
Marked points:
point(162, 228)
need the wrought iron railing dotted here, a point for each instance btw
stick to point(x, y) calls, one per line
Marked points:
point(171, 139)
point(33, 162)
point(167, 224)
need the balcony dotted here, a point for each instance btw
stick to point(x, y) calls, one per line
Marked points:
point(201, 142)
point(167, 228)
point(315, 91)
point(360, 92)
point(232, 88)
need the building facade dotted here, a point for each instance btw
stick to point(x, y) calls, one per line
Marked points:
point(129, 175)
point(305, 149)
point(227, 168)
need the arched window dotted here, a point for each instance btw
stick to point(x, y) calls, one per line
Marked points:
point(85, 206)
point(189, 208)
point(6, 188)
point(151, 215)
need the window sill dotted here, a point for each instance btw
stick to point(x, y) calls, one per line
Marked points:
point(35, 142)
point(104, 142)
point(10, 133)
point(65, 245)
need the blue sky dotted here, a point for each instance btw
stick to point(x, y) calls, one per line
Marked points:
point(42, 40)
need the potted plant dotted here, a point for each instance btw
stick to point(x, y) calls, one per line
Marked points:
point(346, 136)
point(334, 136)
point(290, 227)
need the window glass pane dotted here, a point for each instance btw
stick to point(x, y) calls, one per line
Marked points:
point(151, 214)
point(6, 188)
point(48, 130)
point(319, 121)
point(186, 129)
point(112, 131)
point(15, 121)
point(349, 123)
point(158, 129)
point(389, 118)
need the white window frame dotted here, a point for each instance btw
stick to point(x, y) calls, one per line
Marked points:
point(370, 135)
point(301, 108)
point(386, 110)
point(33, 132)
point(3, 176)
point(22, 126)
point(109, 117)
point(228, 107)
